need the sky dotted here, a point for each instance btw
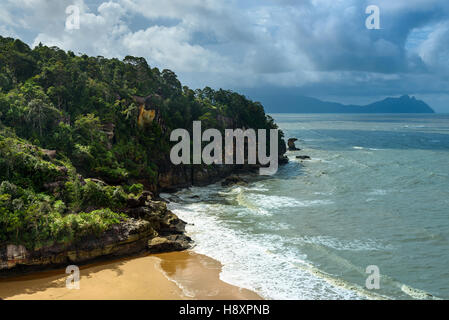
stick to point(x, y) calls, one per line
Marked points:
point(318, 48)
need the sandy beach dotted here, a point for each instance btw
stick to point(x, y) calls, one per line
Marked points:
point(169, 276)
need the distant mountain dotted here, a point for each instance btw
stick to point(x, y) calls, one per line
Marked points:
point(404, 104)
point(303, 104)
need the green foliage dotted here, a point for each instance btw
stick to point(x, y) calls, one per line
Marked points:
point(23, 163)
point(62, 101)
point(93, 194)
point(37, 219)
point(136, 189)
point(85, 109)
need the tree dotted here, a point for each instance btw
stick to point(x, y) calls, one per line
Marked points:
point(88, 126)
point(171, 80)
point(7, 151)
point(39, 113)
point(131, 113)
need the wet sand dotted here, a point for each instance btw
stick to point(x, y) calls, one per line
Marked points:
point(198, 275)
point(169, 276)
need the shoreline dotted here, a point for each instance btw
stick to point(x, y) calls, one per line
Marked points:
point(180, 275)
point(175, 275)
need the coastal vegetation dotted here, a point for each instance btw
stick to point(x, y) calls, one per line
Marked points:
point(83, 137)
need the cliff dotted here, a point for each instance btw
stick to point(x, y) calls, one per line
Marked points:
point(159, 230)
point(84, 152)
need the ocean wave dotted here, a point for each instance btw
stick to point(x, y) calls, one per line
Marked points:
point(271, 265)
point(275, 202)
point(417, 293)
point(378, 192)
point(343, 245)
point(256, 263)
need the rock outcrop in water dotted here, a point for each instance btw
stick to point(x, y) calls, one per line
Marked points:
point(233, 180)
point(291, 144)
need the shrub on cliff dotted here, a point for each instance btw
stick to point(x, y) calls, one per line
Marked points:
point(37, 220)
point(85, 108)
point(22, 163)
point(94, 194)
point(136, 189)
point(64, 117)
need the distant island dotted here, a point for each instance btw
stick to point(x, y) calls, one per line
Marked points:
point(303, 104)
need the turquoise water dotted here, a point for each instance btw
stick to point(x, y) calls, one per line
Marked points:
point(376, 192)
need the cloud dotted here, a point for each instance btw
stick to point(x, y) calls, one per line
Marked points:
point(434, 51)
point(169, 46)
point(313, 45)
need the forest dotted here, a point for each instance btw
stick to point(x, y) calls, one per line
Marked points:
point(74, 146)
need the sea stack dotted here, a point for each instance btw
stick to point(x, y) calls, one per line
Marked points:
point(291, 144)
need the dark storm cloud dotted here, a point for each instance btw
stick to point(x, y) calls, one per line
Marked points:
point(318, 47)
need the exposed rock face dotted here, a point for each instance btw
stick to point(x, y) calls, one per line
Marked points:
point(162, 220)
point(126, 238)
point(291, 144)
point(203, 175)
point(176, 177)
point(146, 116)
point(108, 129)
point(226, 122)
point(149, 109)
point(150, 220)
point(50, 154)
point(283, 160)
point(170, 243)
point(151, 226)
point(58, 184)
point(233, 180)
point(53, 186)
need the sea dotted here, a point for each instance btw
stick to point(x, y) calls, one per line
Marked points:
point(366, 218)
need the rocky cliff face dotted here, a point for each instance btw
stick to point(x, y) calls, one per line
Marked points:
point(149, 109)
point(174, 178)
point(152, 228)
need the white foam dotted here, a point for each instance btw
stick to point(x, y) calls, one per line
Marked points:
point(348, 245)
point(256, 262)
point(378, 192)
point(273, 202)
point(417, 293)
point(185, 291)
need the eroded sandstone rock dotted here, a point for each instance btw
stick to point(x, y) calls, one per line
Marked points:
point(291, 144)
point(169, 243)
point(147, 222)
point(123, 239)
point(233, 180)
